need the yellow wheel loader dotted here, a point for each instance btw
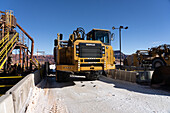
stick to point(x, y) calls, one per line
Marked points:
point(88, 54)
point(157, 59)
point(154, 57)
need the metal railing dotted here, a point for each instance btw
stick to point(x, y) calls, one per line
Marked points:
point(38, 67)
point(6, 45)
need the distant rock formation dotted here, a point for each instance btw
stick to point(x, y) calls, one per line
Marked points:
point(40, 58)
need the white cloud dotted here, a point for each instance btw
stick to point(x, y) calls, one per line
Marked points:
point(157, 43)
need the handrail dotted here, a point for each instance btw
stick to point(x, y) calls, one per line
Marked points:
point(33, 61)
point(32, 46)
point(8, 47)
point(3, 42)
point(32, 40)
point(6, 36)
point(36, 61)
point(35, 64)
point(8, 44)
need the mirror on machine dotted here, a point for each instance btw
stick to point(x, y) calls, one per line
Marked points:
point(55, 42)
point(112, 36)
point(61, 36)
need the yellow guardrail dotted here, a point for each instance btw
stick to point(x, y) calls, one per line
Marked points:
point(12, 77)
point(9, 43)
point(6, 85)
point(37, 63)
point(4, 41)
point(4, 38)
point(38, 67)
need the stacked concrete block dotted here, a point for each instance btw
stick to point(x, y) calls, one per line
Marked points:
point(133, 76)
point(114, 73)
point(128, 78)
point(123, 75)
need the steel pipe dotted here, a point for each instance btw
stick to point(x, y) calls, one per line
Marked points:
point(32, 45)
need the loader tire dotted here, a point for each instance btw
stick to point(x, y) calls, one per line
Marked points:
point(161, 76)
point(157, 63)
point(92, 76)
point(63, 76)
point(58, 76)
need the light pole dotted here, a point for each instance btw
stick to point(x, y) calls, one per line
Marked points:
point(121, 27)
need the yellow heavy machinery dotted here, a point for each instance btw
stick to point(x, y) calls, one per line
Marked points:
point(154, 57)
point(157, 59)
point(89, 57)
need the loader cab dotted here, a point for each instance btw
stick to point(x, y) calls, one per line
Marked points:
point(100, 34)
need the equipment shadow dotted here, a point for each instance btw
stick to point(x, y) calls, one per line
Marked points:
point(50, 82)
point(134, 87)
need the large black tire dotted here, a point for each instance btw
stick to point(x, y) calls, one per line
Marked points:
point(157, 63)
point(156, 76)
point(93, 76)
point(58, 76)
point(63, 76)
point(161, 76)
point(104, 73)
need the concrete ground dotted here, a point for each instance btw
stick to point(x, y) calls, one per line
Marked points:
point(101, 96)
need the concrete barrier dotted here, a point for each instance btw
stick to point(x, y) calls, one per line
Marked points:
point(144, 76)
point(128, 78)
point(16, 99)
point(123, 75)
point(133, 76)
point(21, 93)
point(6, 104)
point(118, 74)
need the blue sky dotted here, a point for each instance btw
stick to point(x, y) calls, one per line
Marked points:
point(148, 20)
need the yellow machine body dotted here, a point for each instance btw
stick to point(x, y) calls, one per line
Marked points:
point(68, 60)
point(82, 55)
point(155, 57)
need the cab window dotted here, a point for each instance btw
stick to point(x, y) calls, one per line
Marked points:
point(103, 36)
